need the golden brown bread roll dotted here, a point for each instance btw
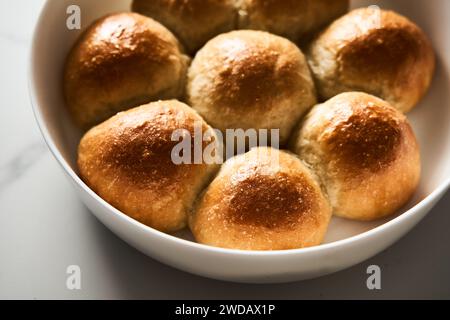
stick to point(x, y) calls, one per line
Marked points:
point(374, 51)
point(364, 152)
point(121, 61)
point(265, 199)
point(293, 19)
point(193, 21)
point(251, 79)
point(127, 161)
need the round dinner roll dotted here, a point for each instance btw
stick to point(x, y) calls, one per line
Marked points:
point(364, 152)
point(128, 161)
point(122, 61)
point(251, 80)
point(374, 51)
point(193, 21)
point(293, 19)
point(265, 199)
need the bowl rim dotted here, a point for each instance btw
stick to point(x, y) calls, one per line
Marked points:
point(435, 195)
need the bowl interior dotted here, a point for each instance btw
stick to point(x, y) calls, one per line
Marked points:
point(431, 119)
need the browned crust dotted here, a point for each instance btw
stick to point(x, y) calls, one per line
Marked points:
point(119, 62)
point(193, 21)
point(365, 153)
point(368, 137)
point(246, 78)
point(251, 79)
point(375, 51)
point(127, 161)
point(272, 202)
point(293, 19)
point(257, 205)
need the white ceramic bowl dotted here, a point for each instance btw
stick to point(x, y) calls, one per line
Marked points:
point(347, 243)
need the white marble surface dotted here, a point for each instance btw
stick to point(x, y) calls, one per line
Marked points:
point(44, 227)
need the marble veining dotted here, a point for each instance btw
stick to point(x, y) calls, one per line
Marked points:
point(19, 164)
point(12, 38)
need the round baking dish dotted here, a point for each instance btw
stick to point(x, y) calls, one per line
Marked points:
point(347, 242)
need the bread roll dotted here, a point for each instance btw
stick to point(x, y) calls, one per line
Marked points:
point(121, 61)
point(251, 79)
point(262, 200)
point(293, 19)
point(374, 51)
point(365, 153)
point(127, 161)
point(193, 21)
